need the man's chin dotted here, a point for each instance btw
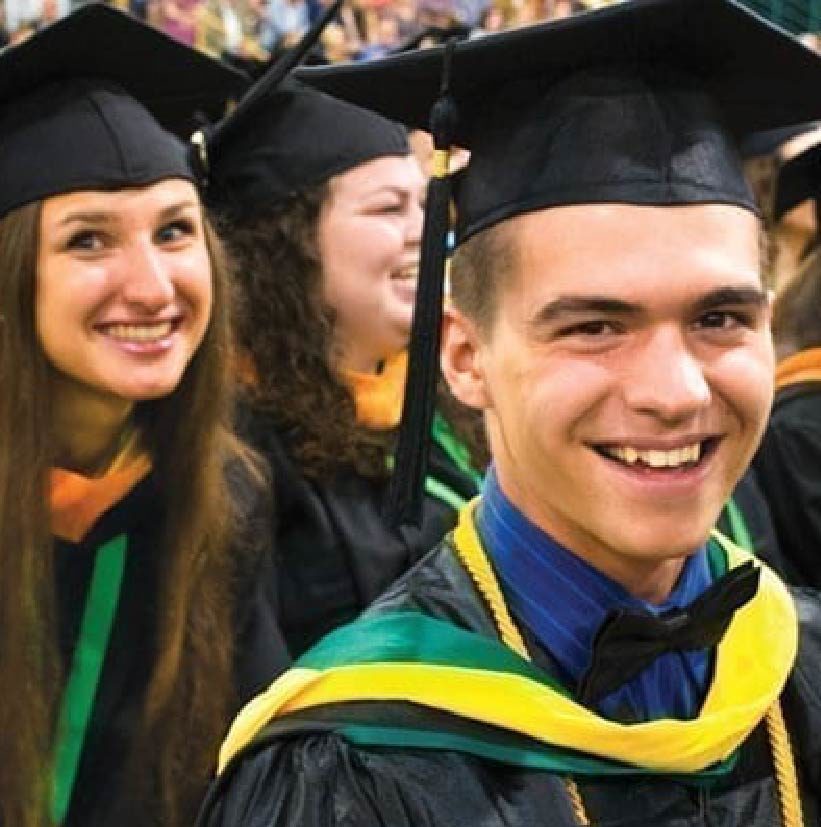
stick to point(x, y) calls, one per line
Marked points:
point(665, 542)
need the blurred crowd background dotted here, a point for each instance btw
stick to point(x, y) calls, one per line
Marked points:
point(254, 29)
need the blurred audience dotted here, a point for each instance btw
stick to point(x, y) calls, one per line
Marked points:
point(4, 32)
point(255, 29)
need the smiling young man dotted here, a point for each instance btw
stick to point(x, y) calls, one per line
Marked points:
point(624, 403)
point(583, 649)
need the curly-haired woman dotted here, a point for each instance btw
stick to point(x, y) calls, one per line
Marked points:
point(320, 205)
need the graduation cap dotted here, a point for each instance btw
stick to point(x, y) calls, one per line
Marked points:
point(88, 102)
point(642, 102)
point(253, 67)
point(295, 138)
point(768, 142)
point(284, 137)
point(799, 180)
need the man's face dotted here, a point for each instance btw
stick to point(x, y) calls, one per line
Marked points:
point(627, 374)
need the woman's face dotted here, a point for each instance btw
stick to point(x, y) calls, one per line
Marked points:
point(370, 227)
point(123, 288)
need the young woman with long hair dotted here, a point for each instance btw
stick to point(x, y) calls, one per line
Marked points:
point(130, 623)
point(320, 205)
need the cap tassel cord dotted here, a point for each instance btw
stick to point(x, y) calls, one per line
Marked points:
point(205, 140)
point(406, 491)
point(282, 67)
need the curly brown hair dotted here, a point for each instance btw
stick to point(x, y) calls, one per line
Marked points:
point(287, 329)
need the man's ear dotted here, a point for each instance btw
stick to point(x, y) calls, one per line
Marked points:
point(462, 359)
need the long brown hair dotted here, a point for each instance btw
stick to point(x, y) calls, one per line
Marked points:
point(188, 434)
point(287, 330)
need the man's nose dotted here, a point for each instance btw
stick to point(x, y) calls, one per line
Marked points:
point(666, 379)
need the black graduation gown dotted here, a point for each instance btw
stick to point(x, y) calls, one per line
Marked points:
point(102, 795)
point(788, 466)
point(335, 553)
point(750, 500)
point(301, 774)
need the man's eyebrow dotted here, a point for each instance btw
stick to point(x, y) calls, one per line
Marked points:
point(608, 306)
point(723, 296)
point(579, 305)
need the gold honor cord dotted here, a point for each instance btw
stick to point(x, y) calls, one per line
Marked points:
point(480, 571)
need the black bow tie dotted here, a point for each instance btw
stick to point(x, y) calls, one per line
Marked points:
point(628, 641)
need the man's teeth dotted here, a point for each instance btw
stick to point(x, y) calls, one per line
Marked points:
point(657, 459)
point(140, 332)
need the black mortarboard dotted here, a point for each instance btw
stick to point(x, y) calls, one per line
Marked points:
point(634, 102)
point(768, 142)
point(285, 137)
point(295, 138)
point(798, 180)
point(256, 67)
point(87, 102)
point(252, 67)
point(641, 102)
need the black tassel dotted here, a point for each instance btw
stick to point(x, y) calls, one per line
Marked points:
point(406, 491)
point(279, 68)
